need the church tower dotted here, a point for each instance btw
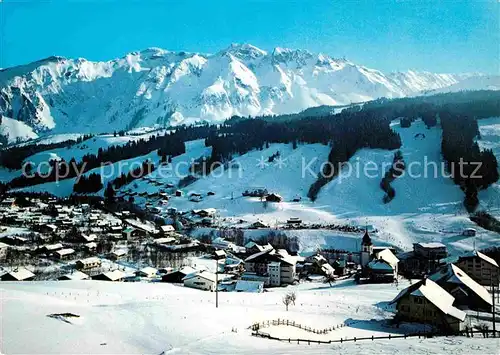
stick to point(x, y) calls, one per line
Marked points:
point(366, 249)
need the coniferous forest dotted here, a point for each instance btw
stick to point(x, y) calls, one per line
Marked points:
point(360, 126)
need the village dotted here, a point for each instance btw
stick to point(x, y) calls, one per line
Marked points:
point(43, 238)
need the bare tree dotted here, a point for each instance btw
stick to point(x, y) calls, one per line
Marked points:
point(289, 299)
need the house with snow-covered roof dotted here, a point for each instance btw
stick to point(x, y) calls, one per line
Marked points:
point(480, 267)
point(115, 275)
point(88, 263)
point(383, 267)
point(202, 280)
point(74, 276)
point(467, 292)
point(427, 302)
point(18, 274)
point(431, 250)
point(279, 268)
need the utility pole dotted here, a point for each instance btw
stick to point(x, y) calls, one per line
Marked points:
point(493, 294)
point(216, 282)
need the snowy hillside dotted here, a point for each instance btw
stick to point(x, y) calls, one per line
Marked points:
point(160, 318)
point(159, 87)
point(424, 208)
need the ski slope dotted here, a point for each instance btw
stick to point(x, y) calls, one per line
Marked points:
point(157, 318)
point(490, 139)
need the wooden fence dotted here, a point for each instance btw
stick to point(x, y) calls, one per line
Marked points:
point(485, 334)
point(264, 324)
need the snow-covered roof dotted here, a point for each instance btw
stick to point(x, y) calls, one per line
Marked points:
point(91, 260)
point(207, 275)
point(91, 245)
point(453, 274)
point(76, 275)
point(64, 252)
point(21, 274)
point(327, 269)
point(164, 240)
point(388, 256)
point(439, 298)
point(167, 228)
point(186, 270)
point(480, 255)
point(114, 275)
point(220, 253)
point(381, 265)
point(119, 252)
point(260, 253)
point(249, 286)
point(148, 270)
point(431, 245)
point(52, 247)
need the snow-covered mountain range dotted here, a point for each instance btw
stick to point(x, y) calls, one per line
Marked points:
point(159, 87)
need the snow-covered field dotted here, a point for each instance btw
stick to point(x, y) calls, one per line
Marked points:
point(155, 318)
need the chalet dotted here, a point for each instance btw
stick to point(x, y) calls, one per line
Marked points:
point(14, 240)
point(252, 248)
point(90, 246)
point(3, 251)
point(480, 267)
point(172, 210)
point(210, 193)
point(47, 228)
point(74, 276)
point(314, 264)
point(469, 232)
point(164, 241)
point(169, 186)
point(88, 263)
point(340, 267)
point(88, 238)
point(130, 233)
point(64, 253)
point(195, 197)
point(427, 302)
point(467, 292)
point(294, 220)
point(259, 224)
point(384, 267)
point(19, 274)
point(202, 280)
point(118, 254)
point(280, 269)
point(274, 198)
point(177, 275)
point(219, 254)
point(115, 229)
point(432, 251)
point(167, 229)
point(178, 193)
point(8, 202)
point(207, 212)
point(148, 271)
point(115, 275)
point(256, 192)
point(50, 248)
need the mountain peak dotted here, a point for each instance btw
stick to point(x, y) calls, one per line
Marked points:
point(244, 51)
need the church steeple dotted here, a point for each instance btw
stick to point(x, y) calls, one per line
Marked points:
point(366, 241)
point(366, 249)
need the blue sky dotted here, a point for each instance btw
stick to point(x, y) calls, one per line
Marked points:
point(434, 35)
